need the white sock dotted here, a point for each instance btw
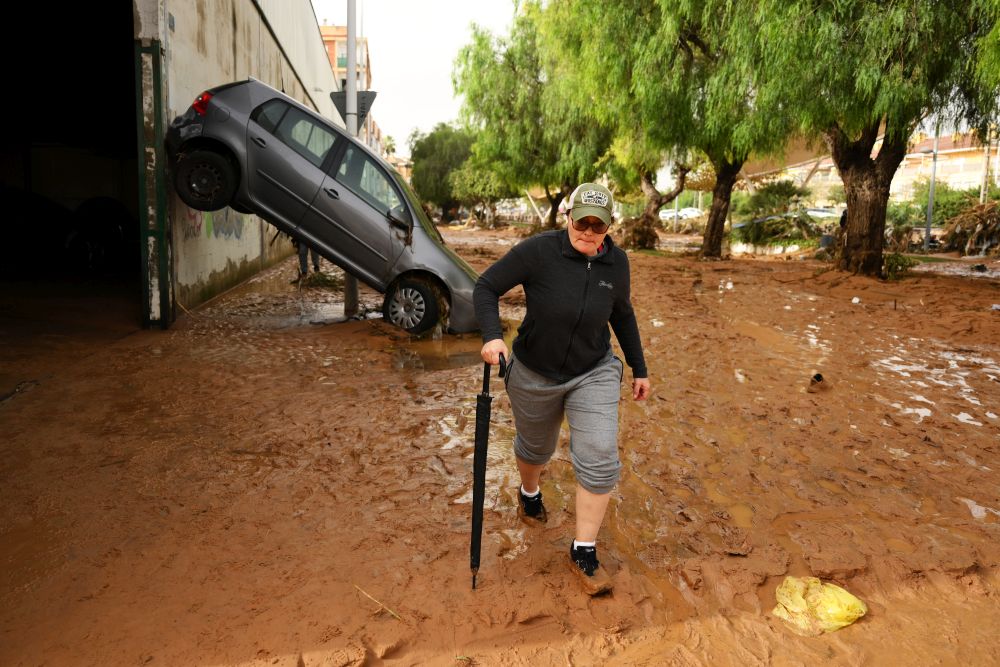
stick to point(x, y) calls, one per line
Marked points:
point(577, 543)
point(531, 495)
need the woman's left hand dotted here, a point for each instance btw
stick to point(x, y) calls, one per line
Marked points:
point(640, 389)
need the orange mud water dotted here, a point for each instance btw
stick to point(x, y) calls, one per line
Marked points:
point(261, 486)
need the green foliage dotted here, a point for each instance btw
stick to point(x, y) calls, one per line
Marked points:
point(895, 265)
point(532, 129)
point(837, 194)
point(435, 155)
point(899, 215)
point(852, 70)
point(670, 86)
point(475, 184)
point(772, 198)
point(948, 201)
point(739, 204)
point(778, 230)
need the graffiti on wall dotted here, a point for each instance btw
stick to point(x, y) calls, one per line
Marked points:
point(191, 223)
point(226, 223)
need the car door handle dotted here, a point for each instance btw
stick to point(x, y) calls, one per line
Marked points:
point(260, 142)
point(333, 193)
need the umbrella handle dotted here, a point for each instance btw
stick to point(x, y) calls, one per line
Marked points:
point(486, 374)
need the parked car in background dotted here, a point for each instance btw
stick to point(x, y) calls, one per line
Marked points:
point(250, 147)
point(667, 214)
point(823, 213)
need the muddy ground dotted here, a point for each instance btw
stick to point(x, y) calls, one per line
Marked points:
point(261, 486)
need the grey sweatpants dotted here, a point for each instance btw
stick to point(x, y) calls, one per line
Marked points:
point(590, 403)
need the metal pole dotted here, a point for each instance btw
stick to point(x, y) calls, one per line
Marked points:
point(930, 194)
point(350, 282)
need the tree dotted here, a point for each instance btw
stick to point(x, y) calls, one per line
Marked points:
point(528, 131)
point(435, 156)
point(860, 75)
point(390, 145)
point(670, 87)
point(480, 188)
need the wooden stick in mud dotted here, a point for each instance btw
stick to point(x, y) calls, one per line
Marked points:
point(381, 606)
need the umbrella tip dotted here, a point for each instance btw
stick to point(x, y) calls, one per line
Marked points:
point(473, 582)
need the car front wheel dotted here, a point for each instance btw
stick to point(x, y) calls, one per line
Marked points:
point(205, 180)
point(412, 305)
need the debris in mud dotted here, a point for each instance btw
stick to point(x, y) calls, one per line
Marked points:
point(811, 607)
point(975, 230)
point(818, 383)
point(19, 389)
point(320, 280)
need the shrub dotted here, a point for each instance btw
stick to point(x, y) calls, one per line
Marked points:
point(895, 265)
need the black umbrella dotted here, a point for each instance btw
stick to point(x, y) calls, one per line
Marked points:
point(483, 402)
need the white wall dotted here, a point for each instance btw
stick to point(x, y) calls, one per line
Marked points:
point(211, 42)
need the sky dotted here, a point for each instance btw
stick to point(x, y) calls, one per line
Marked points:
point(412, 45)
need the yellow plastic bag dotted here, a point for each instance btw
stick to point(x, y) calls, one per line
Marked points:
point(812, 607)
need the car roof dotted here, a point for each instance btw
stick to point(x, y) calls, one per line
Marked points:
point(294, 102)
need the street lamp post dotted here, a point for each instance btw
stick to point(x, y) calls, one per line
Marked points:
point(350, 282)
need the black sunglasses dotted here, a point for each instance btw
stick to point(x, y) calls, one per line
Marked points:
point(598, 227)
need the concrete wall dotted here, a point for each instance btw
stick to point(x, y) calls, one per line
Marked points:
point(207, 43)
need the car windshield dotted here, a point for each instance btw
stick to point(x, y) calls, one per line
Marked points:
point(429, 227)
point(425, 221)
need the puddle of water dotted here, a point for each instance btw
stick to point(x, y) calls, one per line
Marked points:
point(833, 487)
point(501, 469)
point(959, 268)
point(446, 352)
point(742, 515)
point(716, 496)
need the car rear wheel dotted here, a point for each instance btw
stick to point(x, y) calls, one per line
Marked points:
point(205, 180)
point(413, 305)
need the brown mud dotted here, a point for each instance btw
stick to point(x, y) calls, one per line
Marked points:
point(262, 486)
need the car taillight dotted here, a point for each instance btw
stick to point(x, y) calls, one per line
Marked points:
point(201, 103)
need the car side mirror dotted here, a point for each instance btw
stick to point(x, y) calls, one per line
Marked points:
point(399, 217)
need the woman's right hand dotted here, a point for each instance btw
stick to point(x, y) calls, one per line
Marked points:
point(492, 350)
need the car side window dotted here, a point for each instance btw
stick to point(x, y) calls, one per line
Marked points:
point(359, 173)
point(305, 136)
point(269, 114)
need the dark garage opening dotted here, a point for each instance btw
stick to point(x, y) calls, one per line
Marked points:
point(69, 255)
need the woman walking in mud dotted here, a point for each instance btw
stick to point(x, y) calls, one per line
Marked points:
point(576, 283)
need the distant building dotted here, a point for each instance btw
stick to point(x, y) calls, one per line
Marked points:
point(404, 166)
point(961, 160)
point(335, 40)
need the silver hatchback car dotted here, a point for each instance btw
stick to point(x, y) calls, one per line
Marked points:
point(250, 147)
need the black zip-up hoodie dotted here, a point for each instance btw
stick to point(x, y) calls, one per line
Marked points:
point(571, 299)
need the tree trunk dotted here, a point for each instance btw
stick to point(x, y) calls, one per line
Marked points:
point(554, 201)
point(640, 233)
point(866, 186)
point(726, 173)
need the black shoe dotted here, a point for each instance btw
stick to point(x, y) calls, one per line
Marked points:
point(585, 565)
point(531, 508)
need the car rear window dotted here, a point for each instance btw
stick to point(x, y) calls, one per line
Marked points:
point(269, 114)
point(305, 136)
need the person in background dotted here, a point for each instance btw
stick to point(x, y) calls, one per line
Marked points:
point(305, 250)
